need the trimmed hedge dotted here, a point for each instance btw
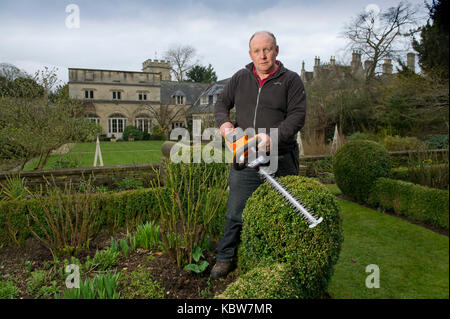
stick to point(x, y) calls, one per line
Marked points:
point(270, 282)
point(114, 211)
point(274, 234)
point(420, 203)
point(357, 165)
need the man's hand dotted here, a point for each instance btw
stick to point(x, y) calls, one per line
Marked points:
point(265, 142)
point(226, 128)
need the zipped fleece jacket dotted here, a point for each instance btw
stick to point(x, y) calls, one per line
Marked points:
point(279, 103)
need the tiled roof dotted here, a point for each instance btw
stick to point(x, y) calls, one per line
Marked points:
point(190, 90)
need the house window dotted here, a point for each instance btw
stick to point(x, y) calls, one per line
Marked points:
point(116, 95)
point(143, 124)
point(215, 98)
point(142, 96)
point(179, 99)
point(94, 119)
point(116, 124)
point(204, 100)
point(88, 94)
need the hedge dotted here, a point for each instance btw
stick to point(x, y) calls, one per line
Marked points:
point(269, 282)
point(420, 203)
point(274, 234)
point(435, 176)
point(114, 211)
point(357, 165)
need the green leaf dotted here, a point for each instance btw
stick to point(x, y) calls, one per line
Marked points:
point(197, 254)
point(192, 267)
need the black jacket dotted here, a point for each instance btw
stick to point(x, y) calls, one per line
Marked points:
point(279, 103)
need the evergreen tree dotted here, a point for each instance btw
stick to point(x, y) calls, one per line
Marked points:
point(203, 74)
point(433, 49)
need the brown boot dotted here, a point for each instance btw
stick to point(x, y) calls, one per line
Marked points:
point(222, 268)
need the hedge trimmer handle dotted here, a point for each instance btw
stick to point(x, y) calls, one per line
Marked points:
point(241, 145)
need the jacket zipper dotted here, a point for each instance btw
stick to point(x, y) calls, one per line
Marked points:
point(256, 108)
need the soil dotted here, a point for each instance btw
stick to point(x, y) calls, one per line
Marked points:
point(177, 283)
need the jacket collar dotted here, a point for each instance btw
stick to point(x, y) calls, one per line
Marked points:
point(280, 70)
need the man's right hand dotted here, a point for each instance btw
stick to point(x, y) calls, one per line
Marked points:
point(226, 128)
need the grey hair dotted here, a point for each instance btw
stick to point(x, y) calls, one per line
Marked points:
point(270, 34)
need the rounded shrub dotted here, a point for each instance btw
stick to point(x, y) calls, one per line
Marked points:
point(357, 165)
point(277, 243)
point(269, 282)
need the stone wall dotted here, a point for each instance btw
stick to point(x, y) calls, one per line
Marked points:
point(98, 175)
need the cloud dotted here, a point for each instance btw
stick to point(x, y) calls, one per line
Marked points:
point(121, 35)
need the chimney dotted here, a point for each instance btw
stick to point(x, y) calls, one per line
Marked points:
point(411, 61)
point(316, 67)
point(387, 66)
point(316, 61)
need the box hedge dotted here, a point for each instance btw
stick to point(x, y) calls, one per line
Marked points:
point(274, 281)
point(357, 165)
point(114, 210)
point(420, 203)
point(274, 234)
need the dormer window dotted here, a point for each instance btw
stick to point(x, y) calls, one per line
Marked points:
point(204, 100)
point(179, 99)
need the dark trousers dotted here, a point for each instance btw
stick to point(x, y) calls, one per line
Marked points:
point(242, 185)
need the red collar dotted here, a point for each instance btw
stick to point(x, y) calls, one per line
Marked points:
point(261, 82)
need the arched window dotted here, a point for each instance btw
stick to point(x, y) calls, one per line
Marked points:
point(116, 124)
point(93, 118)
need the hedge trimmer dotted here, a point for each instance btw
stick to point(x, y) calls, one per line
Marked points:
point(242, 146)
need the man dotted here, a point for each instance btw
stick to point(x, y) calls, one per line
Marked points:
point(266, 95)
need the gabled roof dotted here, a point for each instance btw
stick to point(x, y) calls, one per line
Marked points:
point(190, 90)
point(215, 88)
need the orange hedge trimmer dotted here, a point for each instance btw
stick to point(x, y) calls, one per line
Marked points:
point(242, 146)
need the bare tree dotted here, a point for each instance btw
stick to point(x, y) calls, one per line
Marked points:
point(181, 59)
point(377, 35)
point(165, 114)
point(11, 72)
point(47, 78)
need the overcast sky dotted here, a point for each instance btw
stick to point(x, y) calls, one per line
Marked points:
point(120, 35)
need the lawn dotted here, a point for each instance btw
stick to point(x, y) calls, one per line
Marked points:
point(413, 261)
point(118, 153)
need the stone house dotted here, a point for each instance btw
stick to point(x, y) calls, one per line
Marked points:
point(115, 99)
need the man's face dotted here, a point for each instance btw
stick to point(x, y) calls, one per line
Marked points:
point(263, 53)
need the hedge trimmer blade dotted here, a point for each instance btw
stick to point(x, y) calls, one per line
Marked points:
point(313, 221)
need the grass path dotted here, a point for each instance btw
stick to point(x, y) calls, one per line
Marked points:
point(413, 261)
